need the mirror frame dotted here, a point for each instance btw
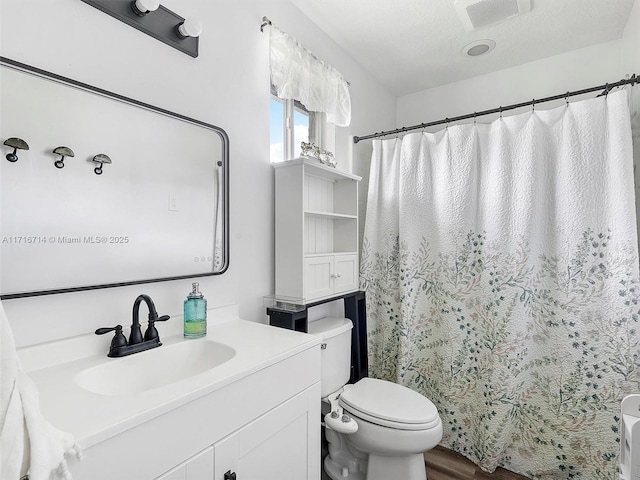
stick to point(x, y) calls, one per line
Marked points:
point(7, 62)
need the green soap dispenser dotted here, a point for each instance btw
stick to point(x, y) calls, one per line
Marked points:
point(195, 314)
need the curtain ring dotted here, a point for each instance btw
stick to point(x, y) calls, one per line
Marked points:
point(447, 122)
point(533, 105)
point(566, 98)
point(606, 89)
point(500, 111)
point(475, 114)
point(423, 125)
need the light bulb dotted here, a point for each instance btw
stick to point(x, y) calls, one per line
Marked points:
point(142, 7)
point(191, 27)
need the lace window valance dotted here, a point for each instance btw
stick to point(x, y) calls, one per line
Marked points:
point(296, 73)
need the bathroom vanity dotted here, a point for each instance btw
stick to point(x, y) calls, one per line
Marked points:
point(245, 405)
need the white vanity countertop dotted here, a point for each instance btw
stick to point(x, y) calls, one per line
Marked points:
point(93, 418)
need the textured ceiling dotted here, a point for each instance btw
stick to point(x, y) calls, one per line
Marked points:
point(412, 45)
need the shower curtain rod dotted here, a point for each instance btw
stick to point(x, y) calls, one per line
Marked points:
point(606, 88)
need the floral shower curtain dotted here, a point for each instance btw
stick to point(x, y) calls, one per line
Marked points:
point(501, 268)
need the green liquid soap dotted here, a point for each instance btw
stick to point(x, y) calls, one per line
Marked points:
point(195, 314)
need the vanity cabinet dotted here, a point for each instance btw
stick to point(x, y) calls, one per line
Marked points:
point(275, 446)
point(199, 467)
point(257, 415)
point(316, 230)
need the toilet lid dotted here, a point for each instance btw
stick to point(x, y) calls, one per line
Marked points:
point(389, 404)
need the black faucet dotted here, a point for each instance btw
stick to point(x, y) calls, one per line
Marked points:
point(136, 335)
point(137, 343)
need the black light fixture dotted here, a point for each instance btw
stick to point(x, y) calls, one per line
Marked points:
point(142, 7)
point(150, 17)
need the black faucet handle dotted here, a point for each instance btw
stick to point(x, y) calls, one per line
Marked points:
point(103, 330)
point(152, 332)
point(119, 340)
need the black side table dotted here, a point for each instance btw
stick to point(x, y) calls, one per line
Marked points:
point(354, 309)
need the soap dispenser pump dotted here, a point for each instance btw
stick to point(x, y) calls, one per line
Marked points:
point(195, 313)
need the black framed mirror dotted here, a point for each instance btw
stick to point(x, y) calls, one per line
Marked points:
point(144, 198)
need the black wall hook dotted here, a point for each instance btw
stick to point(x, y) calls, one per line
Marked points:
point(63, 152)
point(100, 159)
point(16, 144)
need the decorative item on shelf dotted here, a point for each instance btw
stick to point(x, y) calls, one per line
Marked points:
point(16, 144)
point(100, 160)
point(63, 152)
point(310, 150)
point(327, 158)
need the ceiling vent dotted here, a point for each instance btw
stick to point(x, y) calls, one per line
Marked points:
point(475, 14)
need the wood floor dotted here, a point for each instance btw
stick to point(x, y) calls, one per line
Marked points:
point(443, 464)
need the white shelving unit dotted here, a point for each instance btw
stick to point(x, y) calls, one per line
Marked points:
point(316, 230)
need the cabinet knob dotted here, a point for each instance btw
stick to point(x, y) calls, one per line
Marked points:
point(229, 475)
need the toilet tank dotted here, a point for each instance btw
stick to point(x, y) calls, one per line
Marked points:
point(335, 356)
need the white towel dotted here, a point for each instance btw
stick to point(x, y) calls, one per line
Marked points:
point(28, 443)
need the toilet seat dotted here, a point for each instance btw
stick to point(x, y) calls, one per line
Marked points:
point(389, 405)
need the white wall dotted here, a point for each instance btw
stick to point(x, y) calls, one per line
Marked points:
point(227, 85)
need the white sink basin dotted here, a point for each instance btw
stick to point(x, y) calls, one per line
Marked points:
point(154, 368)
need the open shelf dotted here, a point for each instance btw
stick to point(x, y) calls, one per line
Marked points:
point(330, 215)
point(316, 230)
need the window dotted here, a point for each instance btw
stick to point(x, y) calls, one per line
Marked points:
point(290, 124)
point(301, 118)
point(298, 74)
point(277, 130)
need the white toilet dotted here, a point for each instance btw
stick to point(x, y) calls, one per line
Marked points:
point(376, 429)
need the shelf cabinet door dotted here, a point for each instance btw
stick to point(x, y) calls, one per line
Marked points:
point(346, 273)
point(317, 277)
point(328, 275)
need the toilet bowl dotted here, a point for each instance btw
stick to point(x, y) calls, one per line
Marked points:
point(392, 419)
point(395, 427)
point(375, 429)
